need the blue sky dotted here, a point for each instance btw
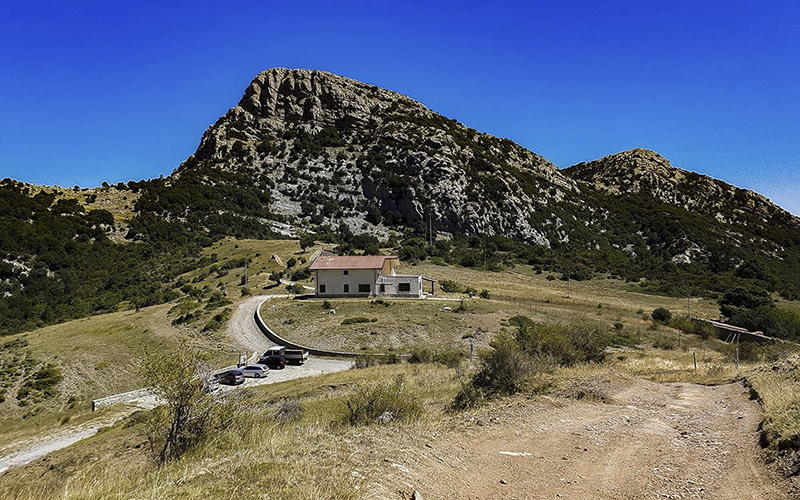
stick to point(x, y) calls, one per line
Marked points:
point(108, 90)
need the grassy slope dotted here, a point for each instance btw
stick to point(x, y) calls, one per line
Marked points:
point(270, 454)
point(101, 355)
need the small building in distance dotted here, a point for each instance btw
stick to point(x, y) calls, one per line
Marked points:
point(365, 276)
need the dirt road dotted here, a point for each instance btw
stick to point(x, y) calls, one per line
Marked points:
point(649, 441)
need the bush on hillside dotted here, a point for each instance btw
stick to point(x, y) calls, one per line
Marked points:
point(515, 360)
point(451, 286)
point(661, 314)
point(381, 402)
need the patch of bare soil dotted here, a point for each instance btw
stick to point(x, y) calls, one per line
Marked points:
point(624, 439)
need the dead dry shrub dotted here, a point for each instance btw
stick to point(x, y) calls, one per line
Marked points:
point(288, 410)
point(588, 390)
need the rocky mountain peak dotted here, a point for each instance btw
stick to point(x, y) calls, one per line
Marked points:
point(629, 171)
point(317, 99)
point(644, 172)
point(376, 158)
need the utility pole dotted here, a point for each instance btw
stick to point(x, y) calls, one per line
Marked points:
point(569, 284)
point(484, 255)
point(245, 270)
point(430, 226)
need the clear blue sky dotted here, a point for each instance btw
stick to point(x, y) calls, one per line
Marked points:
point(110, 90)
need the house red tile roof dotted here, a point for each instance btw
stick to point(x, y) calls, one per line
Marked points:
point(349, 262)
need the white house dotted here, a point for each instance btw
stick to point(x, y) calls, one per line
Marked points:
point(364, 276)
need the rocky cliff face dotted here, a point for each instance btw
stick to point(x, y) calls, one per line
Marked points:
point(340, 150)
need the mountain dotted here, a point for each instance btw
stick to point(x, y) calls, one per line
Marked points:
point(331, 150)
point(309, 151)
point(354, 165)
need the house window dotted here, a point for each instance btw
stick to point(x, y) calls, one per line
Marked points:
point(347, 289)
point(362, 288)
point(383, 288)
point(346, 272)
point(322, 289)
point(404, 287)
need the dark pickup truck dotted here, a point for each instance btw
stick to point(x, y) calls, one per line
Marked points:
point(279, 357)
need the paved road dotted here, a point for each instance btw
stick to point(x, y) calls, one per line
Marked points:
point(242, 329)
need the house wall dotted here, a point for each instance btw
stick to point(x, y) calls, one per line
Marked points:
point(335, 279)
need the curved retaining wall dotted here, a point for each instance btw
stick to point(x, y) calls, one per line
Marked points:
point(316, 352)
point(120, 398)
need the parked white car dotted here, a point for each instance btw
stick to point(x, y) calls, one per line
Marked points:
point(255, 371)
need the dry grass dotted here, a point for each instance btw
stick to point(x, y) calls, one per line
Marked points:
point(260, 263)
point(310, 455)
point(305, 458)
point(399, 327)
point(539, 294)
point(98, 356)
point(778, 387)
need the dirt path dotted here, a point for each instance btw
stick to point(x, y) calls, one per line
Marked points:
point(650, 442)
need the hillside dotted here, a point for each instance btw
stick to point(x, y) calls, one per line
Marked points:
point(310, 148)
point(359, 167)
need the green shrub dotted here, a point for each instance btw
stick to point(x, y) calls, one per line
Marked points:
point(381, 403)
point(450, 286)
point(375, 360)
point(504, 370)
point(358, 319)
point(218, 320)
point(296, 288)
point(301, 274)
point(485, 294)
point(451, 358)
point(661, 314)
point(420, 355)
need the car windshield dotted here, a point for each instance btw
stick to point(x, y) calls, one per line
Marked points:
point(251, 367)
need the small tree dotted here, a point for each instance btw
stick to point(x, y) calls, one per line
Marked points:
point(276, 277)
point(306, 241)
point(190, 410)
